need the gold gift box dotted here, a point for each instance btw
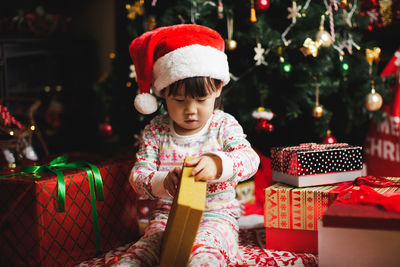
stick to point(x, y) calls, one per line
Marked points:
point(184, 220)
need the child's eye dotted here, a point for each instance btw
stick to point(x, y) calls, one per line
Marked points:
point(179, 100)
point(202, 99)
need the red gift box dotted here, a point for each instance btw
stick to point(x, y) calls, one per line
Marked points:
point(359, 235)
point(316, 164)
point(34, 232)
point(293, 213)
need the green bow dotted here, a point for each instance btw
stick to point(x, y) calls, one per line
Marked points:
point(57, 166)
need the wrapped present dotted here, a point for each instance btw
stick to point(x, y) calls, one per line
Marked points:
point(293, 212)
point(61, 214)
point(184, 220)
point(365, 232)
point(316, 164)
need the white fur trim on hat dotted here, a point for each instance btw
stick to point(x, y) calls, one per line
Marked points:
point(145, 103)
point(190, 61)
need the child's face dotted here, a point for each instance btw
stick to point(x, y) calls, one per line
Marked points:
point(190, 114)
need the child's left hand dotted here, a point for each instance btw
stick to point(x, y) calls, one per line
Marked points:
point(208, 167)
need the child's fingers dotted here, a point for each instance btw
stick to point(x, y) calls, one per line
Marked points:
point(192, 162)
point(199, 167)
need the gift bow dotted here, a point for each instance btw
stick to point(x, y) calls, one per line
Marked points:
point(372, 54)
point(57, 166)
point(61, 163)
point(365, 195)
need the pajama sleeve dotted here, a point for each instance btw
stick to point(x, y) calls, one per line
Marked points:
point(239, 160)
point(145, 178)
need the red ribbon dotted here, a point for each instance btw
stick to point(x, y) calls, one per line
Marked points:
point(365, 195)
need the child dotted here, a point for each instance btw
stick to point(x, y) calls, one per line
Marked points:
point(188, 73)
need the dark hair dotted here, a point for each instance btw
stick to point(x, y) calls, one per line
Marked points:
point(197, 87)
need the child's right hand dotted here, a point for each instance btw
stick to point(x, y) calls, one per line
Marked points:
point(172, 180)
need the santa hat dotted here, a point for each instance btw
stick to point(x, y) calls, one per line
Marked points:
point(169, 54)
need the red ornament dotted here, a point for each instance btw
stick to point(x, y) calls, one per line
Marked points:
point(329, 138)
point(262, 5)
point(263, 125)
point(105, 129)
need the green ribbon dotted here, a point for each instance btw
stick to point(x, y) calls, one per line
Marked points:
point(57, 166)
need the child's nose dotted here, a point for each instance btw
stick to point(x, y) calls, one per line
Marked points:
point(191, 107)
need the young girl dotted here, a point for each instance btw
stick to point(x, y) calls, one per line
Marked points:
point(188, 73)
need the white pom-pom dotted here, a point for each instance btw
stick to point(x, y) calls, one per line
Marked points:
point(146, 103)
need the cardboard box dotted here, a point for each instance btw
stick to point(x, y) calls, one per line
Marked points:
point(33, 231)
point(316, 164)
point(359, 235)
point(183, 221)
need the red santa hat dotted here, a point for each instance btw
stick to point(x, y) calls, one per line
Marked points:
point(169, 54)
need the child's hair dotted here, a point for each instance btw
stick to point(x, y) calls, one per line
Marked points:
point(197, 87)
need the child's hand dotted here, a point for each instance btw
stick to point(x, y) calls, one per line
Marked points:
point(207, 167)
point(172, 180)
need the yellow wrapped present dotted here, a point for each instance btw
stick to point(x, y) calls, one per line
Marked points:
point(184, 220)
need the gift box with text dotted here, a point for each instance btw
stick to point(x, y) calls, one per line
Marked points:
point(34, 232)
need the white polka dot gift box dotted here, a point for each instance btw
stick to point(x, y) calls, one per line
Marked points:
point(313, 164)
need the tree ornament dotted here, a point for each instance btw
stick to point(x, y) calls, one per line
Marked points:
point(346, 18)
point(373, 100)
point(318, 110)
point(264, 126)
point(372, 55)
point(343, 3)
point(259, 56)
point(322, 35)
point(105, 129)
point(134, 10)
point(263, 117)
point(385, 9)
point(253, 17)
point(220, 9)
point(328, 138)
point(262, 5)
point(294, 12)
point(310, 47)
point(230, 43)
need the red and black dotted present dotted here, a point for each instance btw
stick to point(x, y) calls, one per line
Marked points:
point(311, 158)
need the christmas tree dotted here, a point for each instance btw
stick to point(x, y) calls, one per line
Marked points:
point(299, 69)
